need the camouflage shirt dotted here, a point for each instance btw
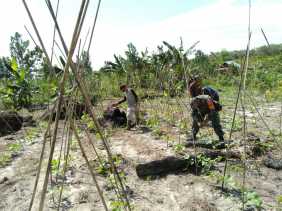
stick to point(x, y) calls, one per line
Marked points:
point(200, 104)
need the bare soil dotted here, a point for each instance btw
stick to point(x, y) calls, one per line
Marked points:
point(174, 192)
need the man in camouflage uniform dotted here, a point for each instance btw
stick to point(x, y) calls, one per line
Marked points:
point(204, 108)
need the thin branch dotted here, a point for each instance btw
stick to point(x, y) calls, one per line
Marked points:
point(93, 27)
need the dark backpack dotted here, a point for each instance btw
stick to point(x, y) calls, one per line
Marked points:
point(211, 92)
point(214, 95)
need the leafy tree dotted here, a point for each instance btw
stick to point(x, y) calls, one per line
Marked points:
point(85, 62)
point(30, 60)
point(4, 72)
point(19, 71)
point(202, 64)
point(17, 90)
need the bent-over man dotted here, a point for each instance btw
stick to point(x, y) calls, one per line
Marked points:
point(132, 102)
point(204, 108)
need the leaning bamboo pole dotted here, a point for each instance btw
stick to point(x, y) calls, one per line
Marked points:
point(70, 63)
point(235, 113)
point(69, 118)
point(31, 36)
point(93, 27)
point(73, 44)
point(54, 33)
point(89, 166)
point(72, 48)
point(46, 135)
point(89, 109)
point(243, 100)
point(38, 36)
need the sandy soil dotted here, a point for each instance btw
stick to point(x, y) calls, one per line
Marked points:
point(173, 192)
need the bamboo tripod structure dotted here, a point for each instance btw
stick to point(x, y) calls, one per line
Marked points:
point(70, 119)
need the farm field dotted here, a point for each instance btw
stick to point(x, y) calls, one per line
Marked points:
point(177, 120)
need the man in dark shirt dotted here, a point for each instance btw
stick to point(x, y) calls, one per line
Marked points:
point(203, 107)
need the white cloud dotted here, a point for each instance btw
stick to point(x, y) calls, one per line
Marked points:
point(221, 25)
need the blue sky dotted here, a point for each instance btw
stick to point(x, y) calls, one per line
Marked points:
point(217, 24)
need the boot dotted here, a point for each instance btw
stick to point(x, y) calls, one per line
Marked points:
point(221, 139)
point(129, 125)
point(194, 137)
point(221, 143)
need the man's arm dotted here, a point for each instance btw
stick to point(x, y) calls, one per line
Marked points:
point(135, 95)
point(121, 101)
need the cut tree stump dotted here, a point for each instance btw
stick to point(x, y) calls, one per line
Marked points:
point(78, 110)
point(174, 165)
point(213, 154)
point(273, 163)
point(10, 122)
point(28, 121)
point(206, 144)
point(166, 166)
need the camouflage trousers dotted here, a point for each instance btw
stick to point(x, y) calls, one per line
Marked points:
point(213, 116)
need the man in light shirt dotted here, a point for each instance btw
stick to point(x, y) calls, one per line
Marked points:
point(132, 102)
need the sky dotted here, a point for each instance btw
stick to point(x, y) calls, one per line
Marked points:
point(217, 24)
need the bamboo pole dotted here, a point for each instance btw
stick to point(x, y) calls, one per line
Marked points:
point(89, 108)
point(89, 166)
point(69, 118)
point(38, 35)
point(244, 111)
point(93, 27)
point(235, 112)
point(46, 135)
point(61, 93)
point(31, 36)
point(265, 37)
point(54, 32)
point(63, 55)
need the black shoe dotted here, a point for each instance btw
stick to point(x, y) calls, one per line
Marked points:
point(221, 139)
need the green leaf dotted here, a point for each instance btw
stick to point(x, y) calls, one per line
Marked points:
point(22, 74)
point(14, 64)
point(279, 199)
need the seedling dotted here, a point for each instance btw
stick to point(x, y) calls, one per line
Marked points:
point(179, 148)
point(5, 159)
point(15, 147)
point(88, 121)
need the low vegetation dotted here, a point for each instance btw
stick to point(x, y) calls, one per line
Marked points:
point(160, 79)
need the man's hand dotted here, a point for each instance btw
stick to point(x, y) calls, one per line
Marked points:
point(114, 104)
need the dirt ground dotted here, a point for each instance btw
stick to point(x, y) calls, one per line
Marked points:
point(182, 191)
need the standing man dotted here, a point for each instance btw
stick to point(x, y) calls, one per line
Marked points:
point(204, 108)
point(132, 102)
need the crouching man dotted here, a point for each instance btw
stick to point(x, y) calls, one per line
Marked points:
point(132, 103)
point(204, 108)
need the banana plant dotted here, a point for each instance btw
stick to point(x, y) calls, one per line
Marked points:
point(17, 88)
